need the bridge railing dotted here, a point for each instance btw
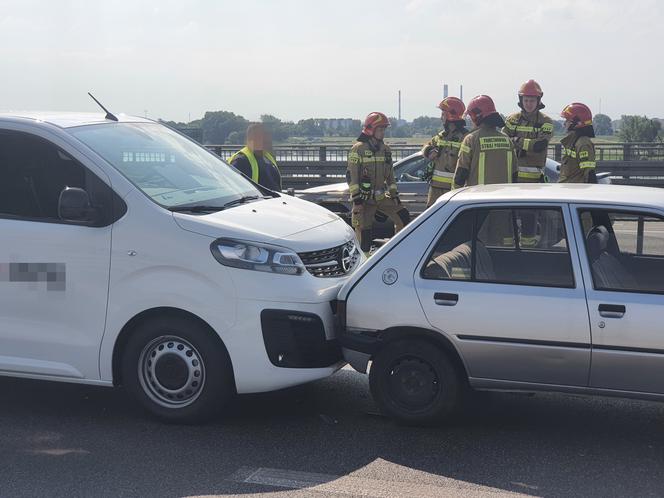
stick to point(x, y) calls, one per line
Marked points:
point(304, 166)
point(318, 153)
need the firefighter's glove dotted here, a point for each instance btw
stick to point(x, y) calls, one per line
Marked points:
point(427, 174)
point(365, 189)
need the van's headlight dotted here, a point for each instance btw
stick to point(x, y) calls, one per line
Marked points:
point(258, 257)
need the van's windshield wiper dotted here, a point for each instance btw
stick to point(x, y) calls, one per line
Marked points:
point(196, 209)
point(241, 200)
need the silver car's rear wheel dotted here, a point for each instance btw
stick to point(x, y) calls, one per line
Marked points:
point(171, 372)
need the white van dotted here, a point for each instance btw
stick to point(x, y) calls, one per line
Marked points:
point(132, 256)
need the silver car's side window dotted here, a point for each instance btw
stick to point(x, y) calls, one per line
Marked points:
point(625, 250)
point(522, 246)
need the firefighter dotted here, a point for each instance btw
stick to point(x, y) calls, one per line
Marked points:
point(443, 149)
point(530, 131)
point(578, 164)
point(486, 155)
point(373, 189)
point(255, 160)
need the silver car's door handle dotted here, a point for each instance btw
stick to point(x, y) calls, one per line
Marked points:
point(612, 310)
point(445, 299)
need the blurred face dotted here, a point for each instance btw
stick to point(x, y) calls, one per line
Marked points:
point(529, 103)
point(257, 139)
point(568, 124)
point(379, 132)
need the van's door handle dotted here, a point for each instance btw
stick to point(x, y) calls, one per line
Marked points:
point(612, 310)
point(445, 299)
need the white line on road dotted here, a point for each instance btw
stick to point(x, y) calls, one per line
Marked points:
point(281, 478)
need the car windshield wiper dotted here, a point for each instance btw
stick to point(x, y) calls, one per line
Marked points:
point(196, 209)
point(242, 200)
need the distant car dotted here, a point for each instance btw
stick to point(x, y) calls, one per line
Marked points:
point(413, 189)
point(458, 299)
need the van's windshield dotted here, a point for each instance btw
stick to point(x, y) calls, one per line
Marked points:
point(172, 170)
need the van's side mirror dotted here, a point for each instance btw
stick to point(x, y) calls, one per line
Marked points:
point(74, 205)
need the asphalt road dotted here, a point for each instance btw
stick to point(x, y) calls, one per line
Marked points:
point(325, 438)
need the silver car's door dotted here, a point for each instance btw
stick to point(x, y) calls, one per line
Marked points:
point(623, 268)
point(517, 313)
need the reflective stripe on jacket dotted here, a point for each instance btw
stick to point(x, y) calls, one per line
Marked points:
point(373, 168)
point(488, 155)
point(448, 144)
point(529, 127)
point(578, 159)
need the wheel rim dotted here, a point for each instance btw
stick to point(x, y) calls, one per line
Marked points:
point(171, 372)
point(413, 383)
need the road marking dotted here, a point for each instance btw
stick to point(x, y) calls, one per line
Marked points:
point(370, 488)
point(281, 478)
point(59, 451)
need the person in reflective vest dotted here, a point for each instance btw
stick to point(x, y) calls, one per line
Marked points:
point(578, 163)
point(530, 131)
point(486, 155)
point(255, 160)
point(370, 177)
point(443, 149)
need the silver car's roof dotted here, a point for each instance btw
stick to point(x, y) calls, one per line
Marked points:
point(577, 193)
point(67, 119)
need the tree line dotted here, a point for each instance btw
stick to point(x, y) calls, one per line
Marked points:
point(225, 127)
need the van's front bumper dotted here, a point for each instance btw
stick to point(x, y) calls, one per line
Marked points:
point(275, 345)
point(297, 339)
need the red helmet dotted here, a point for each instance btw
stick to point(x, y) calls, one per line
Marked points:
point(453, 108)
point(579, 114)
point(480, 108)
point(531, 89)
point(374, 120)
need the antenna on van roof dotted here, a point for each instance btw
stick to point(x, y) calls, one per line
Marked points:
point(109, 115)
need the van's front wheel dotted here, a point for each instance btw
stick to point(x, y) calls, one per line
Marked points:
point(177, 370)
point(414, 382)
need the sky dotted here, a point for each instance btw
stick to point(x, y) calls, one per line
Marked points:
point(176, 59)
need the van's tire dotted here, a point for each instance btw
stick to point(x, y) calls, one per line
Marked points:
point(177, 369)
point(415, 382)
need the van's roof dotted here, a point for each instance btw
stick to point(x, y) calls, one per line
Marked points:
point(68, 119)
point(577, 193)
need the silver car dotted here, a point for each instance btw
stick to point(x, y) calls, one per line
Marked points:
point(459, 300)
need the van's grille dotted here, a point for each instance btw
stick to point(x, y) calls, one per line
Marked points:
point(334, 262)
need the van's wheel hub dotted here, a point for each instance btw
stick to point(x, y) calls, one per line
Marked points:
point(413, 383)
point(171, 372)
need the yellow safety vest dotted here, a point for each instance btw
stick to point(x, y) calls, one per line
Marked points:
point(254, 163)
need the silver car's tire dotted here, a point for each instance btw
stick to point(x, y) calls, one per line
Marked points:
point(414, 382)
